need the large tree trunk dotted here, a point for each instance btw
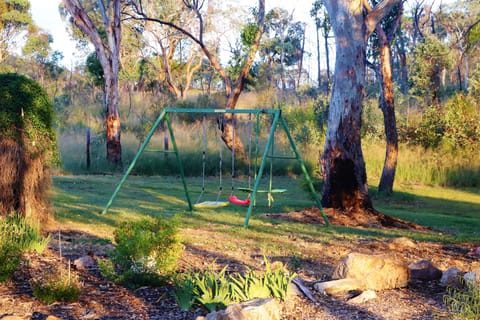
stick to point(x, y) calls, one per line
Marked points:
point(107, 48)
point(112, 121)
point(387, 105)
point(344, 173)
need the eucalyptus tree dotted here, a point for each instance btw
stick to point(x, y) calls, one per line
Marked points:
point(343, 166)
point(100, 22)
point(169, 52)
point(460, 21)
point(381, 46)
point(282, 48)
point(43, 61)
point(15, 18)
point(322, 22)
point(233, 86)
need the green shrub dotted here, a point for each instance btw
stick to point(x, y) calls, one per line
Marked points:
point(63, 288)
point(147, 252)
point(149, 245)
point(16, 237)
point(26, 106)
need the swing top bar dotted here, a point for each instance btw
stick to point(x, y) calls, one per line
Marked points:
point(223, 111)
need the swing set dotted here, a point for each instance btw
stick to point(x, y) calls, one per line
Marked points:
point(253, 151)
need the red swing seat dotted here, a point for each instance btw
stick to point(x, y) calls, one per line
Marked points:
point(235, 200)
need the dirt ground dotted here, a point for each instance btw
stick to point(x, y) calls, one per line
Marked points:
point(100, 299)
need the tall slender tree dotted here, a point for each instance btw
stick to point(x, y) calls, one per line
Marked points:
point(343, 165)
point(105, 36)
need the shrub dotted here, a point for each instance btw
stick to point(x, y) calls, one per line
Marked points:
point(27, 146)
point(147, 252)
point(62, 288)
point(148, 245)
point(17, 236)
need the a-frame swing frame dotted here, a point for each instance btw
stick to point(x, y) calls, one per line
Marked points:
point(277, 120)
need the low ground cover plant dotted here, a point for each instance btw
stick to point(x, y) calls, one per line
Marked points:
point(215, 290)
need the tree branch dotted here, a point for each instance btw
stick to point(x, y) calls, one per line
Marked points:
point(378, 13)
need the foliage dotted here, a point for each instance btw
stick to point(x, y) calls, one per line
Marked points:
point(62, 288)
point(463, 303)
point(27, 115)
point(429, 58)
point(462, 123)
point(146, 250)
point(212, 290)
point(17, 236)
point(215, 290)
point(184, 294)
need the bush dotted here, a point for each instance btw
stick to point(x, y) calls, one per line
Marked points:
point(63, 288)
point(16, 237)
point(27, 146)
point(147, 252)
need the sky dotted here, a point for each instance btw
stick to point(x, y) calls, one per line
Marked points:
point(46, 15)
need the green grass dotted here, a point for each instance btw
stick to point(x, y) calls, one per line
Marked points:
point(452, 214)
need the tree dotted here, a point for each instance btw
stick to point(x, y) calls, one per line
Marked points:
point(15, 18)
point(322, 22)
point(384, 35)
point(344, 174)
point(233, 86)
point(106, 39)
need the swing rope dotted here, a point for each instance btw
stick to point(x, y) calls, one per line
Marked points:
point(216, 203)
point(204, 157)
point(234, 199)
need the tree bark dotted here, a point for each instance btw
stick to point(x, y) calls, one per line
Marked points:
point(344, 173)
point(387, 105)
point(108, 54)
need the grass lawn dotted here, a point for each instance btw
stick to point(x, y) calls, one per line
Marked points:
point(454, 215)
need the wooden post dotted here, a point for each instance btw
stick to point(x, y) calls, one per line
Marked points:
point(88, 148)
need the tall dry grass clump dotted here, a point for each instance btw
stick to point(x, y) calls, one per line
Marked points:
point(27, 148)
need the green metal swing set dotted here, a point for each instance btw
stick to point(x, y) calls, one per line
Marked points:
point(277, 120)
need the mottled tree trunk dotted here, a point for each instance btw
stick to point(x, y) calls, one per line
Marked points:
point(387, 105)
point(344, 173)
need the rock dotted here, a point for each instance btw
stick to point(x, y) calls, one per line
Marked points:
point(424, 270)
point(258, 309)
point(473, 277)
point(375, 272)
point(475, 252)
point(402, 243)
point(450, 278)
point(53, 318)
point(338, 287)
point(84, 263)
point(364, 297)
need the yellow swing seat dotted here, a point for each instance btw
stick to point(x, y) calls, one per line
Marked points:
point(210, 204)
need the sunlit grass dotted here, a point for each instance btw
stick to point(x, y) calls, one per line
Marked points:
point(453, 215)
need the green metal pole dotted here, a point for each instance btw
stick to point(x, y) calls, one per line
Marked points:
point(262, 166)
point(179, 161)
point(134, 161)
point(305, 172)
